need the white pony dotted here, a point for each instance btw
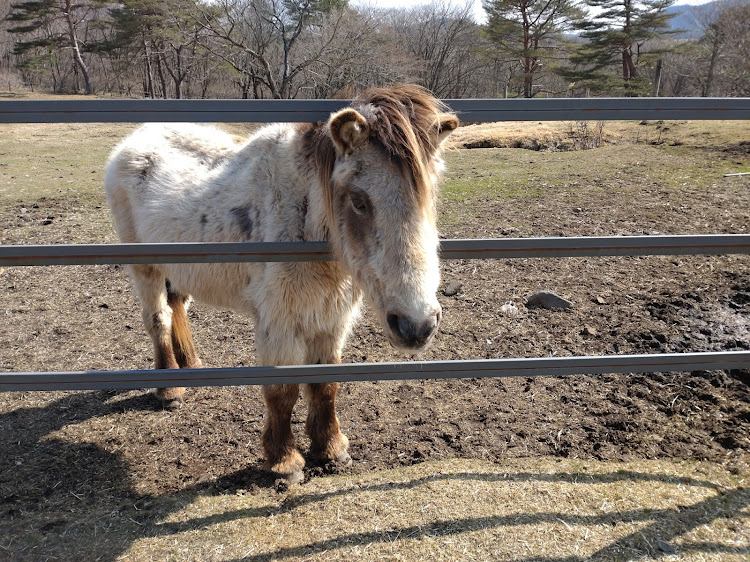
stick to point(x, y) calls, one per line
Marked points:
point(365, 180)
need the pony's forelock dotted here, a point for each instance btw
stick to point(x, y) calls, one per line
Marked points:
point(404, 121)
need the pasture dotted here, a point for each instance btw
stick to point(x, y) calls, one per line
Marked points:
point(615, 467)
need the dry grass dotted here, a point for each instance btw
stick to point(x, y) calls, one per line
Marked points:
point(574, 135)
point(541, 509)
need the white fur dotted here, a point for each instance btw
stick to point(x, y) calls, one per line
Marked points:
point(190, 183)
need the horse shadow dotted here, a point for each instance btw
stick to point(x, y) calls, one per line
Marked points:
point(75, 500)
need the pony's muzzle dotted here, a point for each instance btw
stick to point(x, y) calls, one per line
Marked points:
point(411, 333)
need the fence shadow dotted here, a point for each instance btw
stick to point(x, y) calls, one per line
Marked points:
point(52, 489)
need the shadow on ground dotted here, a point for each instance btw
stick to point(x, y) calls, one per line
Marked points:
point(76, 500)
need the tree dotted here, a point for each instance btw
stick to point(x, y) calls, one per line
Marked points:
point(164, 35)
point(440, 38)
point(528, 30)
point(261, 39)
point(724, 49)
point(616, 38)
point(52, 27)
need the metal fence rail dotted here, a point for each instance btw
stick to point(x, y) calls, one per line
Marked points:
point(351, 372)
point(90, 111)
point(226, 111)
point(224, 252)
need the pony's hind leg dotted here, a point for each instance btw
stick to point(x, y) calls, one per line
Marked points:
point(150, 285)
point(327, 443)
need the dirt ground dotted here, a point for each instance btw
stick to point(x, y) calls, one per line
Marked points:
point(58, 445)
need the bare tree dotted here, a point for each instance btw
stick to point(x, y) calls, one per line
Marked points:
point(261, 39)
point(440, 37)
point(725, 49)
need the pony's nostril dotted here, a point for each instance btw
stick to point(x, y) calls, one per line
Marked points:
point(393, 324)
point(401, 326)
point(413, 334)
point(429, 327)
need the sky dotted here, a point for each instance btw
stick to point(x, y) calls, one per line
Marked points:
point(476, 4)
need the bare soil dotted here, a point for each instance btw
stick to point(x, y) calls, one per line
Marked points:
point(113, 450)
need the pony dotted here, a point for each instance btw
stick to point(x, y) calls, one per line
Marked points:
point(365, 180)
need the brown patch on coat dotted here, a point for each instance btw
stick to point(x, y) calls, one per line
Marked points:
point(358, 225)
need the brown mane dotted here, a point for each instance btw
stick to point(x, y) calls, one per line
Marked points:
point(403, 121)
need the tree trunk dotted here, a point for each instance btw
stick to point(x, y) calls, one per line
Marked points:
point(657, 77)
point(77, 59)
point(715, 48)
point(528, 81)
point(628, 69)
point(149, 72)
point(162, 79)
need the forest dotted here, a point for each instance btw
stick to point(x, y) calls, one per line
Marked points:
point(334, 48)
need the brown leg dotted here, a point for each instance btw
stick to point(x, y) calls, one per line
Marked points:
point(322, 426)
point(282, 456)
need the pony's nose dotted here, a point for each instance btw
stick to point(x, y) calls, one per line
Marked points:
point(411, 333)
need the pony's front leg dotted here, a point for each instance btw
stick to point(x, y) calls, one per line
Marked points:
point(279, 346)
point(282, 456)
point(327, 443)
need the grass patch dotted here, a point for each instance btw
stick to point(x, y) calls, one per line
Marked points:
point(454, 509)
point(489, 174)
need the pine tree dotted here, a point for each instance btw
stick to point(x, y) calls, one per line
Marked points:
point(616, 38)
point(527, 30)
point(52, 27)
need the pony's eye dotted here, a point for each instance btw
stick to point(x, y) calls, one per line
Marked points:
point(359, 202)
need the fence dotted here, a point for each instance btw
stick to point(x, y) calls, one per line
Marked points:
point(311, 110)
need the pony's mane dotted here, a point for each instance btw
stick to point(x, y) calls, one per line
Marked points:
point(403, 121)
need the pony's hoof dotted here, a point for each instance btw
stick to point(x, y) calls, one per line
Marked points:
point(170, 396)
point(344, 460)
point(294, 478)
point(287, 481)
point(173, 404)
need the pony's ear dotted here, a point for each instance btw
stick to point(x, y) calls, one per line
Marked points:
point(349, 130)
point(447, 123)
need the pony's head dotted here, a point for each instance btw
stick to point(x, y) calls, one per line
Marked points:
point(379, 175)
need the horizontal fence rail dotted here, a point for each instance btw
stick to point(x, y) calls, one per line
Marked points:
point(478, 110)
point(226, 111)
point(357, 372)
point(585, 246)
